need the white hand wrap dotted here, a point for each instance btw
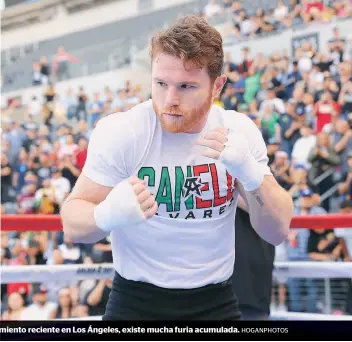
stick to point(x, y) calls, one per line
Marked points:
point(120, 208)
point(240, 163)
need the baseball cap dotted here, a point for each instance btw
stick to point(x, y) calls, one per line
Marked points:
point(252, 117)
point(306, 192)
point(39, 288)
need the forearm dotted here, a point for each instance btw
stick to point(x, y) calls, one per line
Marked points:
point(271, 210)
point(320, 256)
point(95, 297)
point(342, 143)
point(79, 223)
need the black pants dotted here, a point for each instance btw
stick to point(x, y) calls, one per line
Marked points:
point(252, 314)
point(131, 300)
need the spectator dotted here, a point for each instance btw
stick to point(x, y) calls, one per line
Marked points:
point(61, 64)
point(303, 146)
point(26, 200)
point(45, 201)
point(279, 283)
point(252, 84)
point(6, 179)
point(281, 12)
point(61, 185)
point(41, 309)
point(345, 98)
point(102, 250)
point(345, 186)
point(346, 233)
point(82, 100)
point(34, 254)
point(276, 104)
point(44, 168)
point(95, 110)
point(342, 142)
point(211, 9)
point(36, 74)
point(323, 158)
point(65, 306)
point(269, 121)
point(81, 154)
point(290, 125)
point(246, 63)
point(69, 148)
point(15, 308)
point(229, 98)
point(280, 169)
point(70, 252)
point(98, 297)
point(44, 70)
point(324, 109)
point(299, 177)
point(70, 103)
point(297, 244)
point(69, 170)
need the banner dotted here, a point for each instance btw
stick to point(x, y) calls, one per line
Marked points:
point(210, 330)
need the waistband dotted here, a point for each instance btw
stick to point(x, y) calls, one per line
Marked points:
point(140, 285)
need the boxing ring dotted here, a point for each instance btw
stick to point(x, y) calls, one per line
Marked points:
point(62, 273)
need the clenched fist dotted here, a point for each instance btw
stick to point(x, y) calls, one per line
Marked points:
point(232, 149)
point(128, 203)
point(144, 197)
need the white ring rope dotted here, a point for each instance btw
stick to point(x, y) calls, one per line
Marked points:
point(63, 273)
point(278, 316)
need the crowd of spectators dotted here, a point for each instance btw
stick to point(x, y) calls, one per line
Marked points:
point(250, 22)
point(41, 159)
point(303, 107)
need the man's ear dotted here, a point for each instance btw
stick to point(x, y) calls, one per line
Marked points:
point(218, 85)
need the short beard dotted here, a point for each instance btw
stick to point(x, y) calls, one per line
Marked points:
point(189, 120)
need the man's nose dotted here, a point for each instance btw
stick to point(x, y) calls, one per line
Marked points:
point(172, 97)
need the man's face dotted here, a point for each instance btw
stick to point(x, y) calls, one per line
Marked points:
point(41, 298)
point(181, 98)
point(306, 202)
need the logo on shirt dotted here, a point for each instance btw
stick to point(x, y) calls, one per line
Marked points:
point(192, 187)
point(198, 191)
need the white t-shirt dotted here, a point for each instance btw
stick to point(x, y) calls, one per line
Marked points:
point(62, 187)
point(190, 242)
point(302, 148)
point(34, 312)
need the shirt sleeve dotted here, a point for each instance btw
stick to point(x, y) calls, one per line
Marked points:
point(106, 162)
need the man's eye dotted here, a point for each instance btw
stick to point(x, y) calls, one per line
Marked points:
point(187, 86)
point(161, 84)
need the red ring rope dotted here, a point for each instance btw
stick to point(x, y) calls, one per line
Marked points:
point(53, 223)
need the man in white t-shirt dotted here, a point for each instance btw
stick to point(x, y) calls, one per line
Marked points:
point(163, 180)
point(41, 309)
point(304, 145)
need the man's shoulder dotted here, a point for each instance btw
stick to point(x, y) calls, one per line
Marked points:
point(123, 125)
point(136, 114)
